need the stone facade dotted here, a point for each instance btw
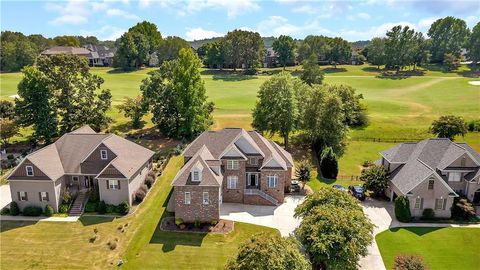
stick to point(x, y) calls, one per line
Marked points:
point(197, 210)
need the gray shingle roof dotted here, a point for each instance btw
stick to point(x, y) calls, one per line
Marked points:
point(423, 159)
point(209, 177)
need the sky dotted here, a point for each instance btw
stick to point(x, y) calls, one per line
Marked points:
point(199, 19)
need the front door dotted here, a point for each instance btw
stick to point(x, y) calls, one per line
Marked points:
point(476, 197)
point(253, 179)
point(86, 181)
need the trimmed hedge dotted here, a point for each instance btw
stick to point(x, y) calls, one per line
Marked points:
point(123, 208)
point(63, 208)
point(102, 207)
point(428, 214)
point(14, 210)
point(49, 210)
point(140, 195)
point(91, 207)
point(402, 209)
point(32, 211)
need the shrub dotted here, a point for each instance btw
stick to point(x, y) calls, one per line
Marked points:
point(112, 244)
point(214, 222)
point(178, 221)
point(367, 163)
point(48, 210)
point(428, 214)
point(303, 172)
point(94, 194)
point(67, 197)
point(5, 211)
point(93, 238)
point(250, 71)
point(402, 209)
point(149, 180)
point(110, 208)
point(376, 179)
point(140, 195)
point(123, 208)
point(197, 223)
point(63, 208)
point(102, 207)
point(14, 210)
point(329, 164)
point(462, 209)
point(473, 125)
point(409, 262)
point(91, 207)
point(32, 211)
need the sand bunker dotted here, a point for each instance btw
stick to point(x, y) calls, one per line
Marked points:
point(474, 82)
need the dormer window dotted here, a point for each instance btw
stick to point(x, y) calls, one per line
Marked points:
point(253, 161)
point(29, 170)
point(103, 155)
point(196, 176)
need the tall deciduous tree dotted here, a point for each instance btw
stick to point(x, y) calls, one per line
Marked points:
point(312, 73)
point(75, 92)
point(36, 105)
point(323, 121)
point(282, 254)
point(276, 110)
point(135, 108)
point(340, 51)
point(243, 48)
point(449, 126)
point(400, 47)
point(447, 35)
point(150, 32)
point(17, 51)
point(176, 93)
point(67, 41)
point(170, 47)
point(473, 45)
point(354, 111)
point(376, 52)
point(334, 231)
point(317, 45)
point(215, 54)
point(284, 47)
point(376, 179)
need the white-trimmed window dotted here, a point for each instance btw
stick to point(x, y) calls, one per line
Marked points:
point(418, 203)
point(196, 176)
point(440, 204)
point(272, 181)
point(232, 164)
point(43, 196)
point(29, 170)
point(253, 160)
point(113, 184)
point(205, 198)
point(22, 196)
point(232, 182)
point(187, 198)
point(103, 155)
point(431, 183)
point(454, 177)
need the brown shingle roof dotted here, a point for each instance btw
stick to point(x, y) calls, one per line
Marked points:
point(209, 177)
point(66, 50)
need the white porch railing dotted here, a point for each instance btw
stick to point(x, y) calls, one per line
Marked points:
point(261, 194)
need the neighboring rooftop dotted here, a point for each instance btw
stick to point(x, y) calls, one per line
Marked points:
point(66, 50)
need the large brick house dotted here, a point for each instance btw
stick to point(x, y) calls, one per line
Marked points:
point(230, 165)
point(431, 173)
point(76, 162)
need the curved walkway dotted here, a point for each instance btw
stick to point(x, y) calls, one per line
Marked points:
point(382, 215)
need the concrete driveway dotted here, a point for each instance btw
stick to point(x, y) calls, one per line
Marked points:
point(278, 217)
point(5, 197)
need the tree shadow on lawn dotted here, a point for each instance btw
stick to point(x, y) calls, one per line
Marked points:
point(331, 70)
point(417, 230)
point(170, 240)
point(371, 69)
point(93, 220)
point(12, 225)
point(233, 77)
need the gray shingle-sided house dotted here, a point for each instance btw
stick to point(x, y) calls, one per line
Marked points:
point(431, 173)
point(229, 165)
point(77, 161)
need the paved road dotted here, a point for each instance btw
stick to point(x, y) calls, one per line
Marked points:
point(5, 197)
point(279, 217)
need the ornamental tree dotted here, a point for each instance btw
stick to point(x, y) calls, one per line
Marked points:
point(375, 179)
point(449, 126)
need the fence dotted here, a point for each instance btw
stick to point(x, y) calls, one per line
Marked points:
point(394, 140)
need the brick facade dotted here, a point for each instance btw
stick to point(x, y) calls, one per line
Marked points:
point(196, 210)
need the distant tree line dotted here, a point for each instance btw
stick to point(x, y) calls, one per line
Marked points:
point(404, 47)
point(19, 50)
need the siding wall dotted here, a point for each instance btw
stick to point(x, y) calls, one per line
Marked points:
point(21, 173)
point(429, 196)
point(137, 180)
point(94, 164)
point(33, 188)
point(114, 196)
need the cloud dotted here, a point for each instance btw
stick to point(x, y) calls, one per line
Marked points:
point(375, 31)
point(233, 7)
point(115, 12)
point(71, 12)
point(106, 32)
point(200, 33)
point(278, 25)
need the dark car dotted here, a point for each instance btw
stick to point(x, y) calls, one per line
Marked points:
point(357, 192)
point(295, 185)
point(339, 187)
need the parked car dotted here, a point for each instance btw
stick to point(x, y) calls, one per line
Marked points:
point(339, 187)
point(357, 192)
point(295, 186)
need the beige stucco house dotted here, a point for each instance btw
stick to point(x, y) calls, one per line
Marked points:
point(77, 161)
point(431, 173)
point(229, 165)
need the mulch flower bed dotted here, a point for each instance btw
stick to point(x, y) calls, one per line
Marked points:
point(222, 227)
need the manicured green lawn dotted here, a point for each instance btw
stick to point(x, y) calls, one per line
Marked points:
point(398, 109)
point(57, 245)
point(441, 248)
